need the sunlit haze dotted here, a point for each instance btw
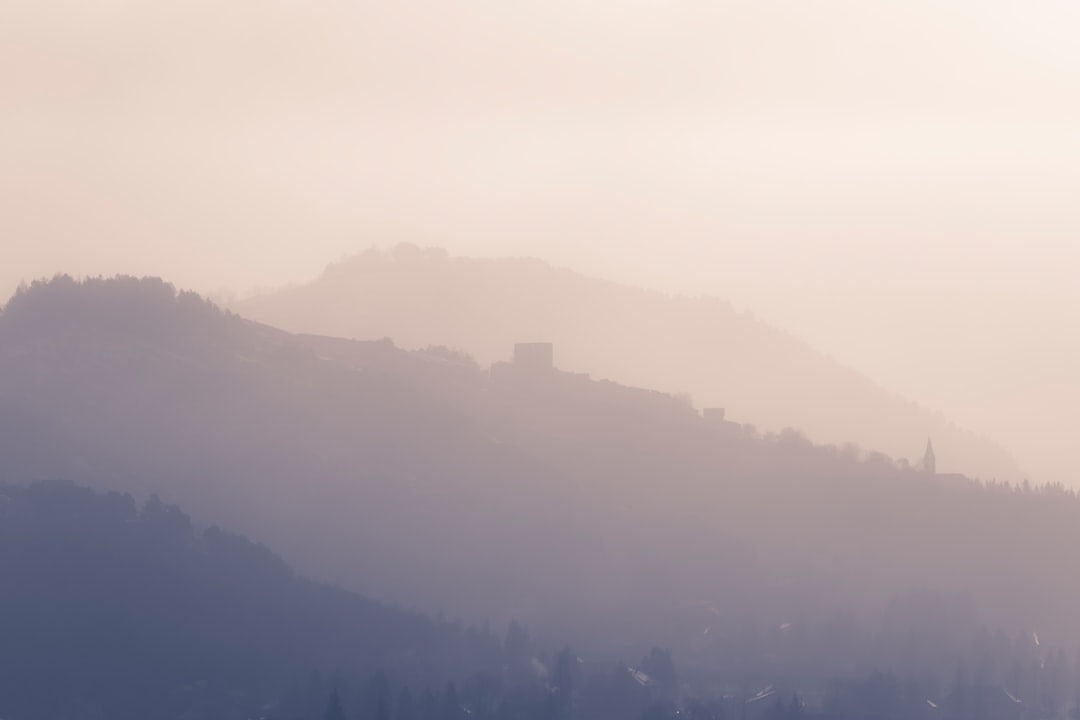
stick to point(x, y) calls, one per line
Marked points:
point(892, 181)
point(546, 360)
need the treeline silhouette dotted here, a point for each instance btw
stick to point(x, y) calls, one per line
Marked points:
point(110, 610)
point(114, 611)
point(628, 694)
point(559, 686)
point(614, 516)
point(565, 687)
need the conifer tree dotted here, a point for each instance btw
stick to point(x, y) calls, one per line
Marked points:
point(334, 710)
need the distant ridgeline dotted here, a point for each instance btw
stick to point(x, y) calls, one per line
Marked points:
point(723, 357)
point(619, 517)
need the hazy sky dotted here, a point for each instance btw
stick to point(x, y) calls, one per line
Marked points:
point(894, 181)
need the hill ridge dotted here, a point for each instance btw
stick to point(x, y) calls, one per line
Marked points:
point(640, 337)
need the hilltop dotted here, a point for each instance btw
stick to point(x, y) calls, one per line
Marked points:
point(696, 345)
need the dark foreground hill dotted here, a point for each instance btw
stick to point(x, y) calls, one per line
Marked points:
point(109, 611)
point(699, 345)
point(115, 612)
point(615, 516)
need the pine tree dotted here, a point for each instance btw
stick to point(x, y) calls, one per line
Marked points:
point(334, 710)
point(405, 705)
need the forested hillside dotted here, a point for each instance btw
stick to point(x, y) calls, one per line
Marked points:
point(113, 611)
point(118, 612)
point(616, 516)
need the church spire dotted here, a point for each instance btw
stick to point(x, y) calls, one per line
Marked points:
point(929, 462)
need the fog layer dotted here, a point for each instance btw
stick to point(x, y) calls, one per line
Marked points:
point(891, 181)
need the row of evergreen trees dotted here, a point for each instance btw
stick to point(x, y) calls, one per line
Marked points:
point(878, 696)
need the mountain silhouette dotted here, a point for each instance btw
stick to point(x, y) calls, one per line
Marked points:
point(618, 516)
point(695, 345)
point(110, 610)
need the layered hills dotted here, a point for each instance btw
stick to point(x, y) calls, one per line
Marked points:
point(701, 346)
point(617, 516)
point(111, 610)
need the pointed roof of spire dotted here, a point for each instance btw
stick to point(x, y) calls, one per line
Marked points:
point(929, 462)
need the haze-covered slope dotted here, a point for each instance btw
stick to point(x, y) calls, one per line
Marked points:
point(348, 470)
point(701, 346)
point(617, 516)
point(115, 612)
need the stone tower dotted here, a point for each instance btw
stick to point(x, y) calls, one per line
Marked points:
point(536, 357)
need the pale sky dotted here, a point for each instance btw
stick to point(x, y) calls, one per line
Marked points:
point(893, 181)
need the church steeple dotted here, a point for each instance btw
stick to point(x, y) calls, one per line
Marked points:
point(929, 463)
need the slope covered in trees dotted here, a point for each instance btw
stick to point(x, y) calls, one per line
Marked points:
point(616, 516)
point(701, 345)
point(113, 611)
